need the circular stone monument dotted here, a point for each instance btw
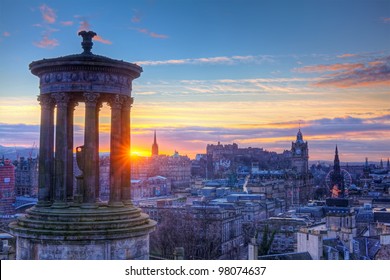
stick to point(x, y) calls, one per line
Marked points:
point(69, 221)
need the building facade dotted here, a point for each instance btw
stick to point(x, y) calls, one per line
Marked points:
point(7, 188)
point(26, 177)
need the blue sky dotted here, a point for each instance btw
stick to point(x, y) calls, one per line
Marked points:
point(242, 71)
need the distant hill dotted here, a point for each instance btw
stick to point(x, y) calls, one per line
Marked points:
point(13, 153)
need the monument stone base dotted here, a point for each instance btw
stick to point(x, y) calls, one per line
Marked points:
point(75, 233)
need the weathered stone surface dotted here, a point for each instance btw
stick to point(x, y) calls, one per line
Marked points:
point(78, 234)
point(69, 222)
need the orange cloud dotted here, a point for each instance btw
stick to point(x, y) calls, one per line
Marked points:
point(151, 34)
point(386, 20)
point(46, 42)
point(346, 55)
point(6, 34)
point(331, 67)
point(48, 13)
point(376, 73)
point(101, 40)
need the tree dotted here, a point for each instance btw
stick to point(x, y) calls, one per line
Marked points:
point(200, 236)
point(266, 241)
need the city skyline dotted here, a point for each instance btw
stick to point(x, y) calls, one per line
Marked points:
point(250, 72)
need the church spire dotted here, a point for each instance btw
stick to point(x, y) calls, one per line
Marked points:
point(336, 166)
point(155, 145)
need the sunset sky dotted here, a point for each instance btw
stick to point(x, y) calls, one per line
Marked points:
point(249, 72)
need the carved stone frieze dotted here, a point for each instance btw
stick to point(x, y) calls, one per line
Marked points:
point(75, 81)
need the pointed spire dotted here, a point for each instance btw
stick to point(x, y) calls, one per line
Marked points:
point(155, 145)
point(336, 166)
point(299, 136)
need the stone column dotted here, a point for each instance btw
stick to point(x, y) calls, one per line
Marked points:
point(46, 149)
point(61, 151)
point(70, 179)
point(126, 146)
point(91, 159)
point(97, 191)
point(115, 152)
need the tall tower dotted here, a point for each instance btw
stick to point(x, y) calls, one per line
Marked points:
point(300, 154)
point(337, 177)
point(155, 146)
point(366, 169)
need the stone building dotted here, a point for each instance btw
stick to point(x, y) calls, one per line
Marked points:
point(81, 226)
point(26, 177)
point(176, 168)
point(286, 228)
point(7, 188)
point(333, 239)
point(149, 188)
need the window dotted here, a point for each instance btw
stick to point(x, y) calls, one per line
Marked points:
point(7, 180)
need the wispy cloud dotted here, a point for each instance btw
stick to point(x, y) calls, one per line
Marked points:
point(48, 14)
point(6, 34)
point(27, 134)
point(150, 33)
point(373, 73)
point(49, 17)
point(346, 55)
point(329, 68)
point(210, 60)
point(386, 19)
point(99, 38)
point(46, 42)
point(370, 70)
point(67, 23)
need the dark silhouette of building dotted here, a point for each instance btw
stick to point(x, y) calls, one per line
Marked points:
point(155, 146)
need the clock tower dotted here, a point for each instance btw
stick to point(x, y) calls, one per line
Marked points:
point(300, 154)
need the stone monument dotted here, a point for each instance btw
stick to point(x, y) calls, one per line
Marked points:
point(69, 222)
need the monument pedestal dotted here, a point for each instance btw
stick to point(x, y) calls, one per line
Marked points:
point(76, 233)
